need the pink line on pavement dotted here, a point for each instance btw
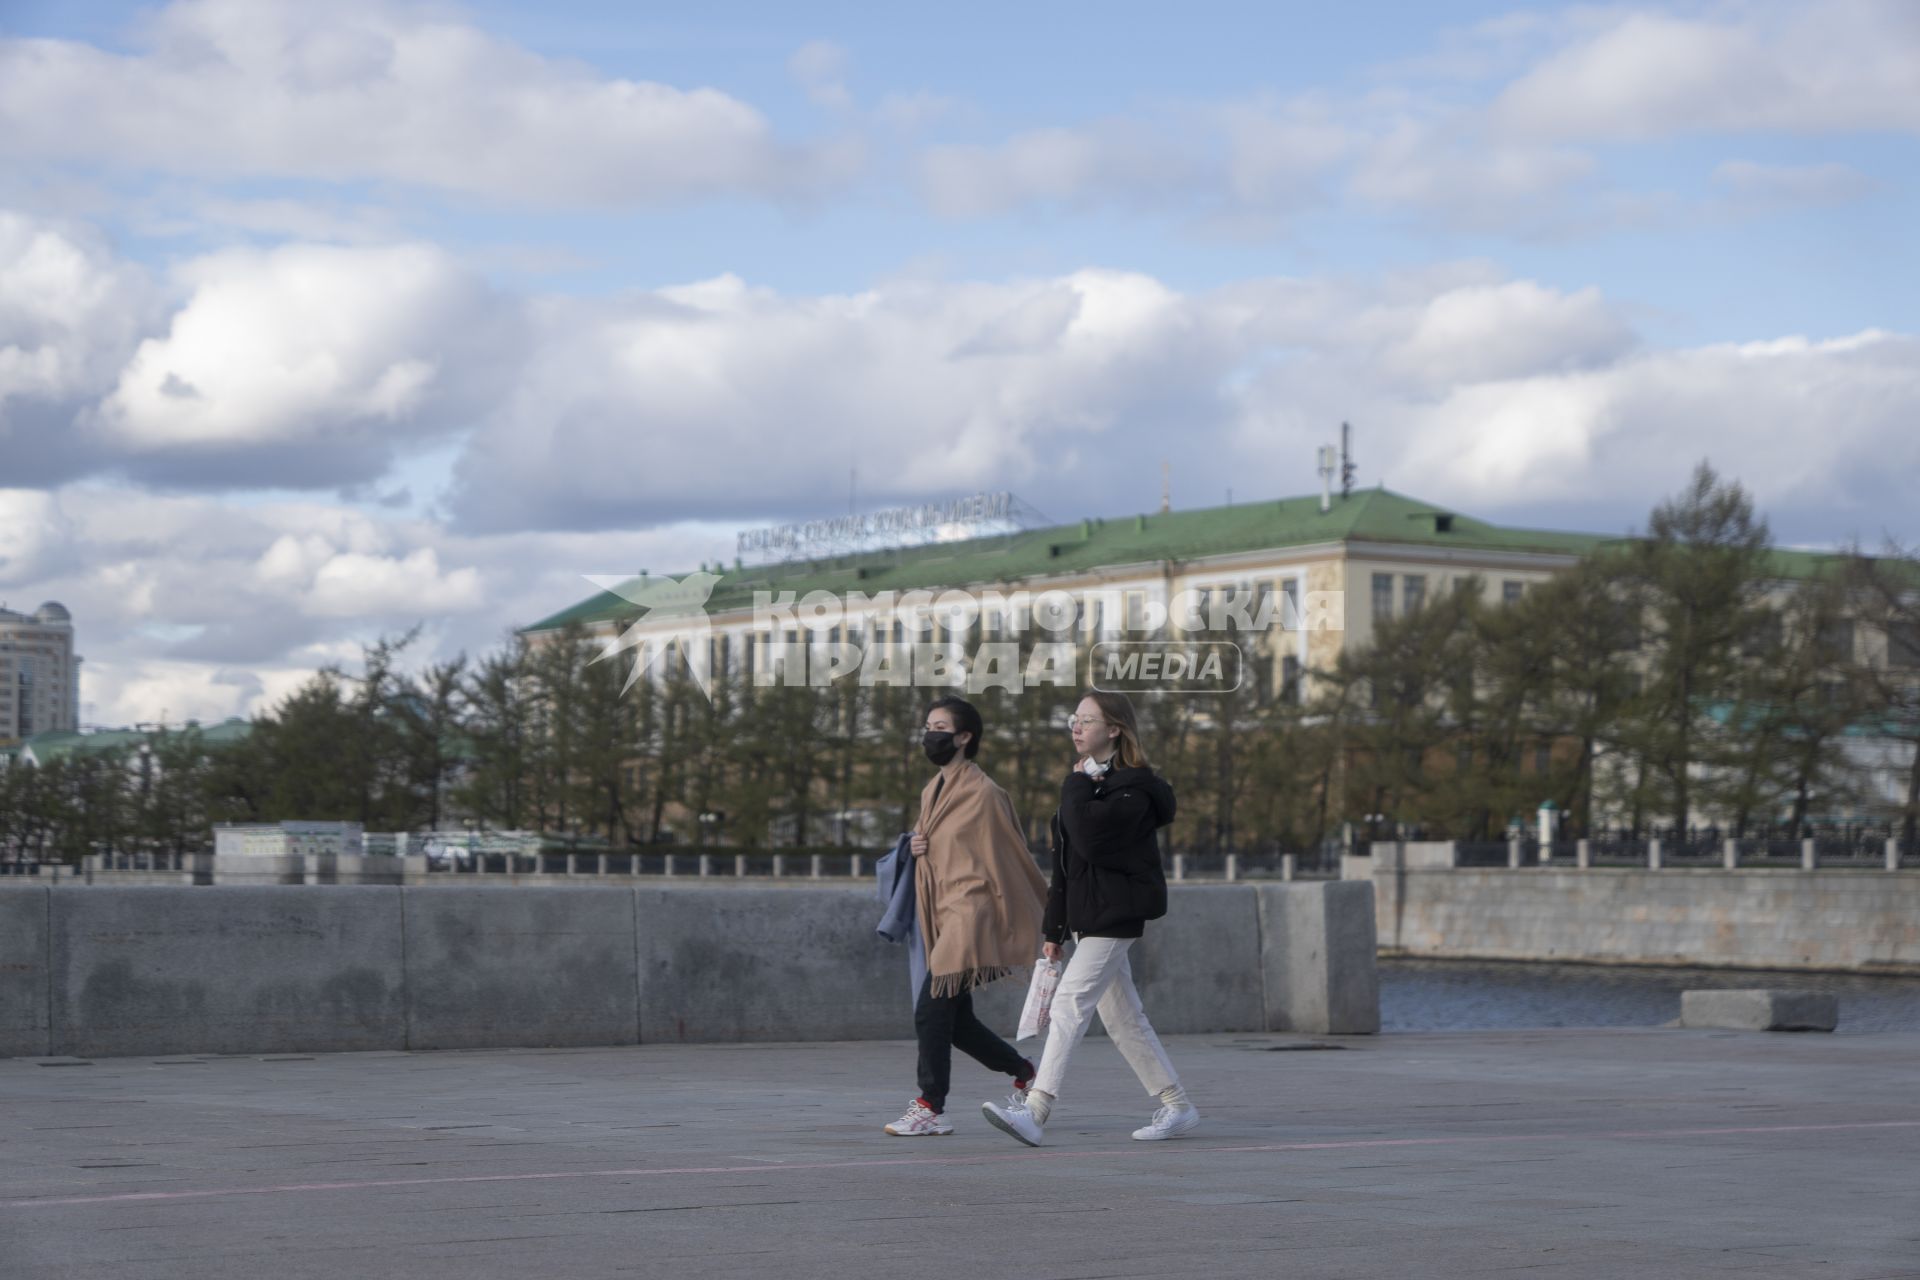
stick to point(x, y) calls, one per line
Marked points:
point(142, 1197)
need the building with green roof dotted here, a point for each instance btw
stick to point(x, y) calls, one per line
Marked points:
point(1340, 563)
point(65, 744)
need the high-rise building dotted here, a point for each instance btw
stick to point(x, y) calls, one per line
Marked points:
point(39, 672)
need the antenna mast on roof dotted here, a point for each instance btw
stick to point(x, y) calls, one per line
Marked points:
point(1166, 487)
point(1346, 460)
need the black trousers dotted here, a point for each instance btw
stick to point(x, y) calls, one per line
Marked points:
point(946, 1023)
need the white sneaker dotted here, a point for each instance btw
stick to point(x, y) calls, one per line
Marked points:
point(921, 1121)
point(1168, 1122)
point(1014, 1118)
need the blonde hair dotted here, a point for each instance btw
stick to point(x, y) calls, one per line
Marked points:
point(1117, 710)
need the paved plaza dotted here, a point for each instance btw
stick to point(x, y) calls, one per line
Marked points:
point(1553, 1154)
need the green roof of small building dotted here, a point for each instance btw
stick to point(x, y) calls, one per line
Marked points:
point(57, 744)
point(1367, 515)
point(61, 743)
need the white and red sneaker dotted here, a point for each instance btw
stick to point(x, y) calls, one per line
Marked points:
point(921, 1121)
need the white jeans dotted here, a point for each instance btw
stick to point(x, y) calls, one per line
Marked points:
point(1098, 976)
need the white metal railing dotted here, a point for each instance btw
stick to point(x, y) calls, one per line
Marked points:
point(688, 864)
point(1656, 854)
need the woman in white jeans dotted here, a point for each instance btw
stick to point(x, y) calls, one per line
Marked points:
point(1107, 883)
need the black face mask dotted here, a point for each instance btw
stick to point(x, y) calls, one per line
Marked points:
point(938, 744)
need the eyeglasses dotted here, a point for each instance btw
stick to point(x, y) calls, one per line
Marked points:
point(1074, 722)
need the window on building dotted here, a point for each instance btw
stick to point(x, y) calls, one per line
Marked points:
point(1903, 645)
point(1413, 591)
point(1627, 624)
point(1836, 640)
point(1543, 759)
point(1766, 637)
point(1290, 686)
point(1246, 597)
point(1290, 604)
point(1512, 589)
point(1382, 597)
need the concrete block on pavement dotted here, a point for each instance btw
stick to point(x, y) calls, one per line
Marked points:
point(748, 964)
point(25, 1018)
point(1192, 966)
point(178, 969)
point(489, 966)
point(1318, 954)
point(1760, 1010)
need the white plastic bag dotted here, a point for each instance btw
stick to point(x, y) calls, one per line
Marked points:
point(1039, 1007)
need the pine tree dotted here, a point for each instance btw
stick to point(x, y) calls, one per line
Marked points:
point(1888, 589)
point(1588, 619)
point(1703, 571)
point(498, 723)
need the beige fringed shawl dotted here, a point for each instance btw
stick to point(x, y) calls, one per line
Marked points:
point(980, 898)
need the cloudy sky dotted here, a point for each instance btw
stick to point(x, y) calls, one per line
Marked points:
point(318, 321)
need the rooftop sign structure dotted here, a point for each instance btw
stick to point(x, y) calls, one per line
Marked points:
point(968, 517)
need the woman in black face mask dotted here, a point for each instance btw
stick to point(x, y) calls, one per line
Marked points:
point(979, 900)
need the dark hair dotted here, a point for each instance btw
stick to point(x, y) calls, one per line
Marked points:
point(966, 719)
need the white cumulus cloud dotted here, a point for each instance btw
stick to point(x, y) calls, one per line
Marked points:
point(1837, 65)
point(720, 397)
point(307, 364)
point(1478, 333)
point(1807, 425)
point(32, 530)
point(70, 315)
point(360, 90)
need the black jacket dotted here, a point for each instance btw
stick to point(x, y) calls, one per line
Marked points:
point(1107, 877)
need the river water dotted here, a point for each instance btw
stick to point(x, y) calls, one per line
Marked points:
point(1466, 995)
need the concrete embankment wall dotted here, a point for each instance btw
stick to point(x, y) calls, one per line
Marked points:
point(1852, 920)
point(274, 969)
